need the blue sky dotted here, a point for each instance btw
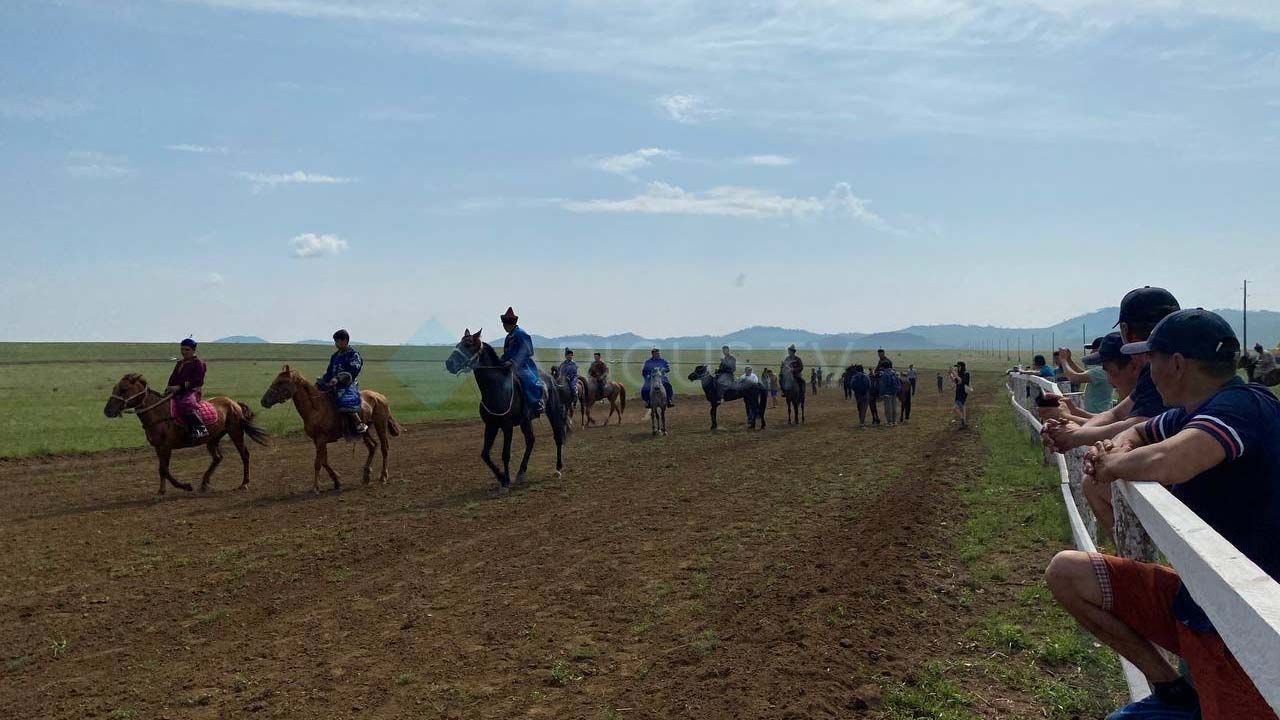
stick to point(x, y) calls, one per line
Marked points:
point(283, 167)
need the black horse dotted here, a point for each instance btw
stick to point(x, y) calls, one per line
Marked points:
point(502, 406)
point(754, 395)
point(793, 391)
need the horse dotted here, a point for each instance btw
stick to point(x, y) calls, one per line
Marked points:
point(166, 433)
point(589, 394)
point(566, 397)
point(502, 406)
point(753, 395)
point(322, 423)
point(793, 392)
point(658, 402)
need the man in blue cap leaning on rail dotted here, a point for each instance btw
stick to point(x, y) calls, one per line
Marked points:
point(1217, 449)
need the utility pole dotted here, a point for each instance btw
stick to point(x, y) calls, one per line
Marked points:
point(1084, 338)
point(1244, 345)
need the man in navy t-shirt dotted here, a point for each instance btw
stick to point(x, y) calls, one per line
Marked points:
point(1218, 450)
point(1140, 311)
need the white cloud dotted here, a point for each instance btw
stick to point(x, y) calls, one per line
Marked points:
point(632, 161)
point(96, 165)
point(688, 109)
point(266, 181)
point(311, 245)
point(199, 149)
point(661, 198)
point(213, 280)
point(42, 108)
point(767, 160)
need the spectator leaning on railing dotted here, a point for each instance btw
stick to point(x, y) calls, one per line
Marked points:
point(1039, 367)
point(1218, 450)
point(1140, 310)
point(1097, 390)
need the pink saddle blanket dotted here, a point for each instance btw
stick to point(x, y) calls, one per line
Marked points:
point(205, 410)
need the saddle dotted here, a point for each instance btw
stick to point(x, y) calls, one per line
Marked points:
point(205, 410)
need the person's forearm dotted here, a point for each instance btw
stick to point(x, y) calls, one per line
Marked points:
point(1088, 435)
point(1149, 463)
point(1074, 366)
point(1118, 412)
point(1075, 377)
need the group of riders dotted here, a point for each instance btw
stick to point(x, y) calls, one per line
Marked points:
point(341, 379)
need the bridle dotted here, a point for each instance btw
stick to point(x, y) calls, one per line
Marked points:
point(126, 410)
point(471, 363)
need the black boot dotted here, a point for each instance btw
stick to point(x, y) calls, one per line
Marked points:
point(196, 427)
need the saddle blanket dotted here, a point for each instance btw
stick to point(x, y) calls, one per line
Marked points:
point(204, 410)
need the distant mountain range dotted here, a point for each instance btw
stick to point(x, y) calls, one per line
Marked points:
point(1264, 326)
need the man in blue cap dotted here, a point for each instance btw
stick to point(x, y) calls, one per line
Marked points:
point(656, 364)
point(341, 381)
point(1140, 311)
point(517, 354)
point(1217, 449)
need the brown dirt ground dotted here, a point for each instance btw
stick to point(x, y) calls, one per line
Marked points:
point(738, 574)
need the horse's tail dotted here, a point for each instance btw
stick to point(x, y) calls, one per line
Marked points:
point(255, 433)
point(393, 425)
point(622, 398)
point(557, 416)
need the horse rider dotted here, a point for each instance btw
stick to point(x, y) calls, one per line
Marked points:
point(186, 385)
point(727, 369)
point(794, 365)
point(568, 374)
point(599, 374)
point(656, 363)
point(340, 381)
point(517, 355)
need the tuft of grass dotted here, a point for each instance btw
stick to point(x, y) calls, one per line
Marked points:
point(404, 679)
point(59, 646)
point(16, 664)
point(122, 714)
point(706, 642)
point(563, 673)
point(932, 695)
point(212, 616)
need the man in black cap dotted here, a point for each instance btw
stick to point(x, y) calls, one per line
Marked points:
point(1217, 449)
point(1140, 311)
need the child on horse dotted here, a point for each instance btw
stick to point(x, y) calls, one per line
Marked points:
point(340, 381)
point(186, 385)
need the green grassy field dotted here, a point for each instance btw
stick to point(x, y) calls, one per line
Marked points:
point(53, 393)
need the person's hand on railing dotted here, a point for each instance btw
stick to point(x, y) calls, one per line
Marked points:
point(1059, 434)
point(1069, 406)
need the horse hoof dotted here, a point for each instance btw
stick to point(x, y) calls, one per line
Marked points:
point(503, 489)
point(520, 479)
point(557, 474)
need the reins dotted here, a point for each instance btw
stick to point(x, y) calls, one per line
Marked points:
point(469, 363)
point(126, 410)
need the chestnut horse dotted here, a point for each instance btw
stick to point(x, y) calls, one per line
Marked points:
point(589, 394)
point(322, 424)
point(133, 395)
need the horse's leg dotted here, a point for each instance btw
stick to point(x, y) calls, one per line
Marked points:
point(526, 429)
point(315, 480)
point(324, 461)
point(382, 440)
point(215, 456)
point(164, 454)
point(506, 455)
point(490, 433)
point(372, 446)
point(237, 439)
point(714, 412)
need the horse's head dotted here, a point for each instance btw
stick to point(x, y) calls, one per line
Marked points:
point(467, 353)
point(127, 394)
point(698, 373)
point(282, 388)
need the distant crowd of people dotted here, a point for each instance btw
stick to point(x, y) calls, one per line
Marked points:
point(1185, 419)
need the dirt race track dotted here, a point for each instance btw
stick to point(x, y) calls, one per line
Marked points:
point(787, 574)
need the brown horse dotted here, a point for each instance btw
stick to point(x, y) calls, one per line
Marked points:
point(589, 394)
point(322, 424)
point(165, 434)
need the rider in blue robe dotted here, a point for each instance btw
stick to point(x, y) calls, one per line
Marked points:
point(655, 363)
point(340, 380)
point(517, 354)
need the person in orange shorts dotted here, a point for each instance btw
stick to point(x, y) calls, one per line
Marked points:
point(1217, 449)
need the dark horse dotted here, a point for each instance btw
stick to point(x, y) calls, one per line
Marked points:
point(793, 391)
point(753, 395)
point(502, 406)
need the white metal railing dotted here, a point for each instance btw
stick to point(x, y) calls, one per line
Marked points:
point(1240, 599)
